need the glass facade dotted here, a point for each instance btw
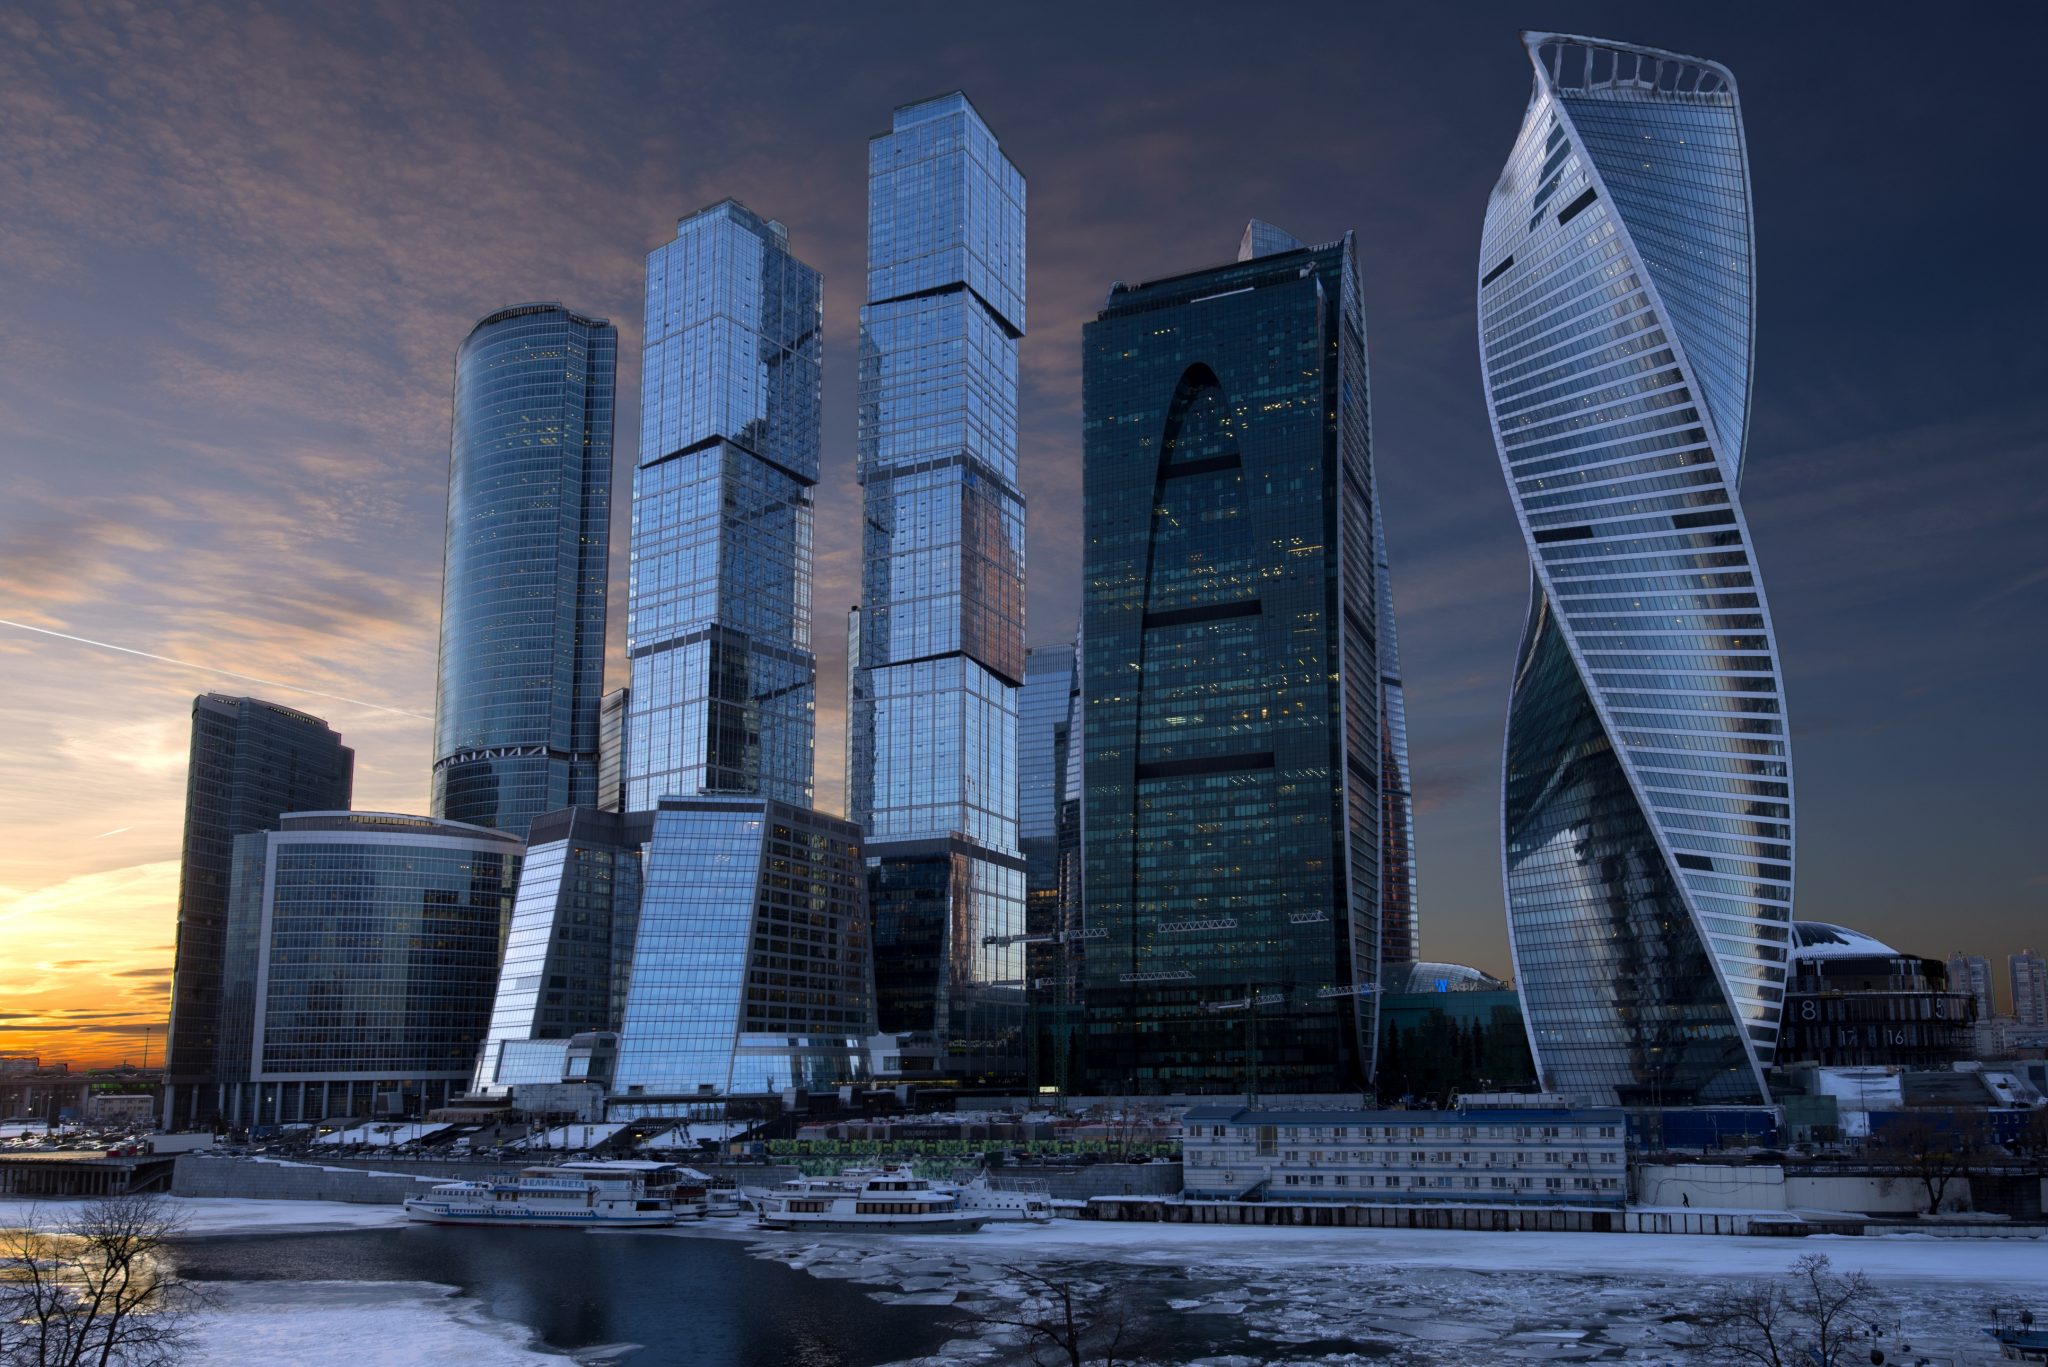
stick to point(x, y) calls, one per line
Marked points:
point(569, 952)
point(1231, 690)
point(934, 711)
point(252, 761)
point(366, 946)
point(523, 586)
point(1400, 923)
point(1647, 805)
point(751, 968)
point(724, 685)
point(1042, 717)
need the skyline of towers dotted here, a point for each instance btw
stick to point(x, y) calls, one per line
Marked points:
point(250, 762)
point(941, 628)
point(523, 589)
point(1647, 822)
point(724, 685)
point(1231, 689)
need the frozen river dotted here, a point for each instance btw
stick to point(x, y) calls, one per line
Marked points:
point(325, 1285)
point(1236, 1296)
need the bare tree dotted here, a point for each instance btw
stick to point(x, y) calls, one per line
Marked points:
point(1075, 1323)
point(1936, 1148)
point(1805, 1319)
point(96, 1290)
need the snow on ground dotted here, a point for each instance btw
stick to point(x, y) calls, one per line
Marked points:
point(225, 1215)
point(584, 1136)
point(381, 1135)
point(345, 1324)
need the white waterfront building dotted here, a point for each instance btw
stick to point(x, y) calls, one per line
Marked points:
point(1489, 1150)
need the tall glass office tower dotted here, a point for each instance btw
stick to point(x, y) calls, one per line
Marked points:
point(1231, 830)
point(942, 604)
point(750, 968)
point(252, 761)
point(724, 686)
point(1400, 920)
point(523, 586)
point(1647, 804)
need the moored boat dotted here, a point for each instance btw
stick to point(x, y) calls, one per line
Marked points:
point(896, 1202)
point(1004, 1198)
point(595, 1194)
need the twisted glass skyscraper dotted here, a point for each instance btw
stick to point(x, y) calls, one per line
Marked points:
point(724, 686)
point(942, 613)
point(1647, 804)
point(523, 586)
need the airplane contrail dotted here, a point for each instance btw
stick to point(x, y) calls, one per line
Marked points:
point(116, 831)
point(214, 669)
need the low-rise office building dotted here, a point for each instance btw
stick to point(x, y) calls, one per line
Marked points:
point(1491, 1150)
point(362, 950)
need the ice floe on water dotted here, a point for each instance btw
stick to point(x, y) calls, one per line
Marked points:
point(345, 1324)
point(205, 1215)
point(1219, 1297)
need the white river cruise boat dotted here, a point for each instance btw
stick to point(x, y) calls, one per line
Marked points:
point(1004, 1198)
point(616, 1194)
point(888, 1202)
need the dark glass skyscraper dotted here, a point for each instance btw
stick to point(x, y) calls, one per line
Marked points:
point(1232, 683)
point(523, 586)
point(1647, 812)
point(252, 761)
point(942, 600)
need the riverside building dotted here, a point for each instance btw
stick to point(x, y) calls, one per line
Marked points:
point(1491, 1150)
point(516, 709)
point(1647, 819)
point(1232, 686)
point(941, 639)
point(252, 761)
point(362, 949)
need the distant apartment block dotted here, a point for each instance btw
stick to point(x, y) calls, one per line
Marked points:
point(2029, 974)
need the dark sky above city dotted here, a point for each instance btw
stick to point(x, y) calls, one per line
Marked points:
point(239, 246)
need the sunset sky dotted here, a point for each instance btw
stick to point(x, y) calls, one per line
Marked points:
point(238, 249)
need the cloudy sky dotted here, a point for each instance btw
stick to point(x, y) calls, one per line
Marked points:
point(239, 246)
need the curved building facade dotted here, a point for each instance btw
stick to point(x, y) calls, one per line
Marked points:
point(516, 712)
point(1647, 793)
